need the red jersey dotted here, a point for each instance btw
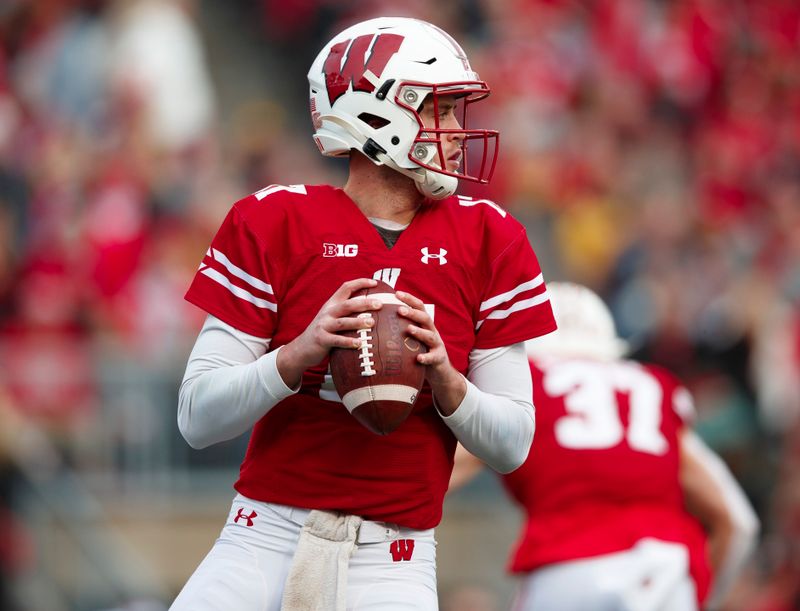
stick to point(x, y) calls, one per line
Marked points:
point(279, 256)
point(603, 471)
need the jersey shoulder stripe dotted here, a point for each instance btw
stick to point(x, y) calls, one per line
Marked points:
point(468, 202)
point(509, 295)
point(219, 268)
point(264, 193)
point(524, 296)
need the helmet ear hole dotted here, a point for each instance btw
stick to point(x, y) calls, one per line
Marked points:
point(374, 121)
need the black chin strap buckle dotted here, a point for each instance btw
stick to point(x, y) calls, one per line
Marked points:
point(372, 149)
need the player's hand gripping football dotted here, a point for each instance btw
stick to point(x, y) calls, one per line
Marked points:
point(337, 314)
point(447, 384)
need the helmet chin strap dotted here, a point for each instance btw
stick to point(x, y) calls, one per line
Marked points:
point(431, 184)
point(436, 186)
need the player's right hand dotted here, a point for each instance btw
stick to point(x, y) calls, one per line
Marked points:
point(339, 313)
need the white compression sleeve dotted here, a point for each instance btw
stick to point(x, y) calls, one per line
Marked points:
point(496, 421)
point(230, 383)
point(746, 523)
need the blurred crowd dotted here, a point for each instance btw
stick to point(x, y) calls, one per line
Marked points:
point(652, 148)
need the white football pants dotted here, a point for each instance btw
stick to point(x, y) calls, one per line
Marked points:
point(392, 568)
point(651, 576)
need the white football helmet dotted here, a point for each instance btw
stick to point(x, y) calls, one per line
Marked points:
point(585, 326)
point(368, 85)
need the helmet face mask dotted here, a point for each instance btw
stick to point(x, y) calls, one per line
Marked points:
point(367, 90)
point(429, 137)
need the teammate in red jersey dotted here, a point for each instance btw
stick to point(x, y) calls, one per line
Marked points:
point(626, 509)
point(329, 515)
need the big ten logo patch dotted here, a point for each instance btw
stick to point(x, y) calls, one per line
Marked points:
point(402, 550)
point(339, 250)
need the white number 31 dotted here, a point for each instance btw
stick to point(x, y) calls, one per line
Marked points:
point(593, 413)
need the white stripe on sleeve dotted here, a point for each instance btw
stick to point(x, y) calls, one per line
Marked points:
point(239, 272)
point(509, 295)
point(520, 305)
point(239, 291)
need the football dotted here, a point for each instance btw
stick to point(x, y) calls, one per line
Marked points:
point(379, 382)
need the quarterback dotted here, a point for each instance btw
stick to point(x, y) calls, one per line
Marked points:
point(329, 515)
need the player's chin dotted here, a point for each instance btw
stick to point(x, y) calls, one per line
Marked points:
point(454, 163)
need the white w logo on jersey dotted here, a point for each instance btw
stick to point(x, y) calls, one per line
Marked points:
point(440, 256)
point(389, 275)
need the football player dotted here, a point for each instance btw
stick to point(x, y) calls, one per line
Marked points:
point(626, 508)
point(327, 514)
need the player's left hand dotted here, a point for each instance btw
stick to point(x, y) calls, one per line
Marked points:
point(447, 383)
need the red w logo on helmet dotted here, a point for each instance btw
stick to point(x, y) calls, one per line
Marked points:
point(338, 77)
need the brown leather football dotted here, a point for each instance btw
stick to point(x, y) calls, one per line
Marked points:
point(379, 382)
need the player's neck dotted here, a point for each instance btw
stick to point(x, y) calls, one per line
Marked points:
point(380, 192)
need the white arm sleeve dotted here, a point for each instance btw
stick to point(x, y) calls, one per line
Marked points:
point(745, 521)
point(230, 383)
point(495, 421)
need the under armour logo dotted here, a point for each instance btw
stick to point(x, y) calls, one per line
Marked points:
point(440, 256)
point(242, 515)
point(402, 549)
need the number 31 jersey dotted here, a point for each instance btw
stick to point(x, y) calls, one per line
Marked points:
point(279, 256)
point(603, 471)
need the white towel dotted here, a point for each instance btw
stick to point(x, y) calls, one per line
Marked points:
point(318, 576)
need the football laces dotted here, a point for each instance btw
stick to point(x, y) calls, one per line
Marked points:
point(366, 356)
